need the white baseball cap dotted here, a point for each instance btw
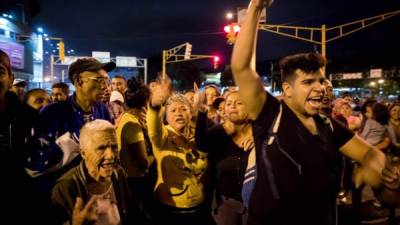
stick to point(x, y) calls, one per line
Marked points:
point(19, 82)
point(116, 96)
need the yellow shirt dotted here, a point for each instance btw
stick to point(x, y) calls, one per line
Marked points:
point(129, 131)
point(180, 167)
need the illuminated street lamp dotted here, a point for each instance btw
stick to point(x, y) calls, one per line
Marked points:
point(229, 15)
point(381, 81)
point(372, 83)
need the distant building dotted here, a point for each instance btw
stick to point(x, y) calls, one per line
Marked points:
point(18, 39)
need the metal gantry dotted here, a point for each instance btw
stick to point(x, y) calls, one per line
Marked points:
point(171, 56)
point(326, 35)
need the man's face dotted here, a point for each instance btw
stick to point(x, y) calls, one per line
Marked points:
point(94, 84)
point(100, 154)
point(57, 95)
point(19, 90)
point(348, 99)
point(106, 94)
point(118, 84)
point(211, 95)
point(5, 80)
point(328, 97)
point(305, 93)
point(38, 100)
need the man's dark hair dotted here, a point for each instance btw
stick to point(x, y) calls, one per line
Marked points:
point(306, 62)
point(120, 76)
point(64, 87)
point(5, 60)
point(137, 94)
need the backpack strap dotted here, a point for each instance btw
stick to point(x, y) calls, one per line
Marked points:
point(273, 130)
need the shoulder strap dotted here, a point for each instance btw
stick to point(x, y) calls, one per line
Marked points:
point(273, 130)
point(250, 176)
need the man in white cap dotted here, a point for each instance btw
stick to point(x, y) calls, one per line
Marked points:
point(18, 88)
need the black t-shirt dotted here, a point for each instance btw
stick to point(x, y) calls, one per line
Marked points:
point(230, 162)
point(307, 196)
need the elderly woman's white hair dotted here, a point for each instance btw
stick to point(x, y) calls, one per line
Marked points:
point(178, 98)
point(92, 127)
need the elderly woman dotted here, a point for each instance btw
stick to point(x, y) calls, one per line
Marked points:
point(95, 192)
point(179, 188)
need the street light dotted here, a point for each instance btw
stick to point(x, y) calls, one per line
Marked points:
point(229, 15)
point(381, 81)
point(372, 83)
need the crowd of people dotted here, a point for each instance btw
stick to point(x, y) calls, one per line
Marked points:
point(120, 151)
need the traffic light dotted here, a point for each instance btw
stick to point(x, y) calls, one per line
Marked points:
point(231, 31)
point(61, 50)
point(188, 51)
point(216, 62)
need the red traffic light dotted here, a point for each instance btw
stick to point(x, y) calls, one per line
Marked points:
point(216, 61)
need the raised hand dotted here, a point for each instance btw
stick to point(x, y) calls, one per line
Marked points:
point(82, 214)
point(366, 175)
point(199, 99)
point(260, 4)
point(391, 174)
point(160, 91)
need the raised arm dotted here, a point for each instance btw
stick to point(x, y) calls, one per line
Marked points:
point(372, 161)
point(160, 92)
point(243, 60)
point(200, 106)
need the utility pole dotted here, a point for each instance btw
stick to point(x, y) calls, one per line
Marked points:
point(51, 68)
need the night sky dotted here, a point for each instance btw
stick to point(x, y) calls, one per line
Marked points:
point(143, 28)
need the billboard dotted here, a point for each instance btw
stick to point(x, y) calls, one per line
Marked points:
point(16, 53)
point(124, 61)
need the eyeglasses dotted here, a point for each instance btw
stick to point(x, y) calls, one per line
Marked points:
point(100, 80)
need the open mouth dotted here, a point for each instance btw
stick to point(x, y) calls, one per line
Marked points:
point(315, 101)
point(180, 120)
point(107, 165)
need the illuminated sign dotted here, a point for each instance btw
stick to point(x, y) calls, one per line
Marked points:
point(16, 53)
point(123, 61)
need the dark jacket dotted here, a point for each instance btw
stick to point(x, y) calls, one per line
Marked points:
point(53, 121)
point(16, 120)
point(73, 184)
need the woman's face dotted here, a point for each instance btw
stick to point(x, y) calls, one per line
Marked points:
point(346, 110)
point(234, 109)
point(369, 114)
point(395, 113)
point(178, 115)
